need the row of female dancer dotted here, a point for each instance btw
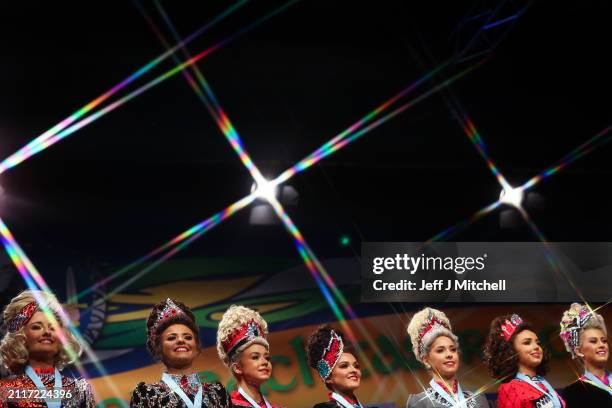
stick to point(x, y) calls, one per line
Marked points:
point(35, 350)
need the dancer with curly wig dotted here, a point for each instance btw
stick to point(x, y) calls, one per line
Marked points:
point(35, 348)
point(436, 347)
point(585, 337)
point(514, 355)
point(243, 347)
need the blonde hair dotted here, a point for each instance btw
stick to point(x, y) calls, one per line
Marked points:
point(437, 324)
point(13, 353)
point(233, 318)
point(574, 322)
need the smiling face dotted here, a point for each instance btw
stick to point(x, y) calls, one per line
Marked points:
point(41, 342)
point(594, 349)
point(254, 365)
point(178, 346)
point(443, 357)
point(530, 353)
point(346, 375)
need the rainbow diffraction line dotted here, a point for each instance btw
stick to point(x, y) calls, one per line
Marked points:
point(331, 148)
point(206, 225)
point(587, 147)
point(473, 135)
point(325, 282)
point(284, 176)
point(470, 130)
point(39, 143)
point(206, 95)
point(232, 136)
point(447, 233)
point(313, 265)
point(346, 137)
point(549, 255)
point(18, 258)
point(36, 282)
point(374, 113)
point(188, 235)
point(53, 138)
point(600, 139)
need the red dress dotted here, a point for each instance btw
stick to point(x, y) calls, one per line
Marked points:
point(519, 394)
point(11, 388)
point(240, 402)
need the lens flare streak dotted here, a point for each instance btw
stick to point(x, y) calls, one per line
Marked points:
point(39, 143)
point(587, 147)
point(50, 138)
point(186, 236)
point(474, 136)
point(35, 281)
point(232, 136)
point(346, 137)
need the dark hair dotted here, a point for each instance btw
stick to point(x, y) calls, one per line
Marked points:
point(187, 318)
point(318, 341)
point(500, 356)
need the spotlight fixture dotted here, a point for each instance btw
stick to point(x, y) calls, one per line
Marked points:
point(518, 199)
point(265, 190)
point(261, 212)
point(511, 196)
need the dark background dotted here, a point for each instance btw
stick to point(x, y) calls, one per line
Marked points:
point(154, 167)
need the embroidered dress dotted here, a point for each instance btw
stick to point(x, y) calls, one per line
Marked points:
point(160, 395)
point(239, 401)
point(519, 394)
point(15, 390)
point(438, 395)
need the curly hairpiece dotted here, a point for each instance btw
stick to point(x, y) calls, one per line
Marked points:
point(242, 327)
point(574, 322)
point(425, 327)
point(499, 354)
point(13, 351)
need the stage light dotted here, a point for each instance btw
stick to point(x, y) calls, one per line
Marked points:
point(263, 214)
point(511, 196)
point(345, 240)
point(265, 190)
point(288, 196)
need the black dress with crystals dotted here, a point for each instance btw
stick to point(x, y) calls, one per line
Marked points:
point(160, 395)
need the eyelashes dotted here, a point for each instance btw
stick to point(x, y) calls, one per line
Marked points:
point(172, 338)
point(347, 365)
point(257, 357)
point(39, 327)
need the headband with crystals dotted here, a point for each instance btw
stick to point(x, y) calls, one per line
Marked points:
point(508, 327)
point(169, 311)
point(244, 334)
point(571, 325)
point(431, 323)
point(331, 355)
point(22, 317)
